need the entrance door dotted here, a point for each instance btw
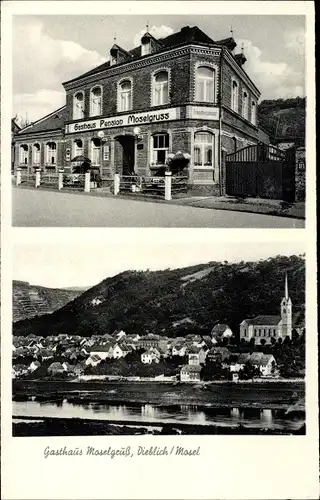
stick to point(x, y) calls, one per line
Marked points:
point(127, 143)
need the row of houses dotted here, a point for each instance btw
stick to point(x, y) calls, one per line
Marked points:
point(115, 345)
point(264, 364)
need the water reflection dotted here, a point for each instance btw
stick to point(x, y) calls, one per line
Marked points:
point(192, 414)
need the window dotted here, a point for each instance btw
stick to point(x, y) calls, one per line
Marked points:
point(253, 113)
point(78, 147)
point(161, 88)
point(78, 106)
point(205, 83)
point(245, 105)
point(95, 151)
point(234, 96)
point(146, 48)
point(160, 148)
point(95, 101)
point(203, 149)
point(51, 153)
point(125, 96)
point(24, 151)
point(36, 154)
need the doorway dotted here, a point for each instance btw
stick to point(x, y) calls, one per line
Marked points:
point(125, 157)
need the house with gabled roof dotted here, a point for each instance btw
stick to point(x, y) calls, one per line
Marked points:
point(190, 373)
point(184, 94)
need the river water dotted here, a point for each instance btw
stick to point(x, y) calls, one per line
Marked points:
point(187, 414)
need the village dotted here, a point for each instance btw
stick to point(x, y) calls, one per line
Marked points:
point(76, 356)
point(222, 355)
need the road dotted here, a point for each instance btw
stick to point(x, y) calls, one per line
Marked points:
point(36, 208)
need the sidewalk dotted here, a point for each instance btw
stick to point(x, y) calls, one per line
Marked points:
point(229, 203)
point(256, 205)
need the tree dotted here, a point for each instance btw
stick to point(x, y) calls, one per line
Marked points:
point(263, 342)
point(249, 371)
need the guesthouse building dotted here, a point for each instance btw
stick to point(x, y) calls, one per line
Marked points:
point(184, 93)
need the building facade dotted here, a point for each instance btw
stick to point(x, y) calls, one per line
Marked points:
point(265, 327)
point(185, 92)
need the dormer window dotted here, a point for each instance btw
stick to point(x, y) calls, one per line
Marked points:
point(118, 55)
point(145, 48)
point(146, 44)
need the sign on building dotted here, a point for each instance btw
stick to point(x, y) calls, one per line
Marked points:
point(203, 112)
point(133, 119)
point(106, 152)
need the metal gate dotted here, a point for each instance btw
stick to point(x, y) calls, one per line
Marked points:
point(261, 171)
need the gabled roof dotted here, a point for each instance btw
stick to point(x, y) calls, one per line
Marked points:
point(219, 329)
point(271, 319)
point(191, 368)
point(100, 348)
point(53, 121)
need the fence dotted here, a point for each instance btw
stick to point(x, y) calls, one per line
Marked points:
point(164, 187)
point(27, 178)
point(49, 179)
point(154, 186)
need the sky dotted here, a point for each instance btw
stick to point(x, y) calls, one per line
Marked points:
point(78, 262)
point(48, 50)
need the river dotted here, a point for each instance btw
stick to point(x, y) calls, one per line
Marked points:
point(175, 414)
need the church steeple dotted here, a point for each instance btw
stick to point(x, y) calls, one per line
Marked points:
point(286, 311)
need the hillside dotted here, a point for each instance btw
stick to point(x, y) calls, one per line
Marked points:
point(283, 118)
point(177, 302)
point(32, 300)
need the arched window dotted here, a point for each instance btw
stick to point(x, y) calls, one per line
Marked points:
point(78, 106)
point(205, 84)
point(253, 113)
point(51, 153)
point(234, 96)
point(204, 149)
point(161, 88)
point(36, 154)
point(160, 148)
point(245, 105)
point(125, 96)
point(24, 152)
point(77, 147)
point(95, 101)
point(95, 151)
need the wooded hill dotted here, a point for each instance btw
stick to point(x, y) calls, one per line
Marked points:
point(283, 118)
point(32, 300)
point(177, 302)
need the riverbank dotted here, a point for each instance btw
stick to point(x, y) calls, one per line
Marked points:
point(82, 427)
point(256, 394)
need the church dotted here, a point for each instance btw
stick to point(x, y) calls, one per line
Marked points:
point(265, 327)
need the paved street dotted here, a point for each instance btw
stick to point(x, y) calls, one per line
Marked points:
point(36, 208)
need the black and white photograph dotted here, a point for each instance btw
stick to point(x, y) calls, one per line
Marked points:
point(159, 121)
point(158, 250)
point(180, 342)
